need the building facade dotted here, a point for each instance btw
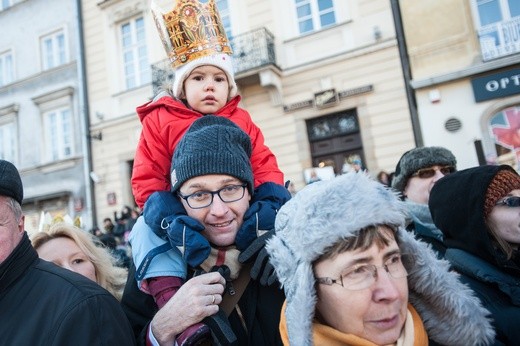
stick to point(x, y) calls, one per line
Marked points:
point(322, 79)
point(465, 65)
point(42, 125)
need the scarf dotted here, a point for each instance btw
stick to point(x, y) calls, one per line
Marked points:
point(16, 263)
point(413, 333)
point(227, 256)
point(420, 213)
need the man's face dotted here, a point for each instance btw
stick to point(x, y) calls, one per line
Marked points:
point(11, 230)
point(221, 220)
point(376, 313)
point(206, 89)
point(420, 184)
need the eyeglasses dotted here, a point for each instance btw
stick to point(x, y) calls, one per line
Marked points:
point(425, 173)
point(511, 202)
point(203, 199)
point(362, 276)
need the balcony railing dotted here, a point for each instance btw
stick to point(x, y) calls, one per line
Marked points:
point(251, 50)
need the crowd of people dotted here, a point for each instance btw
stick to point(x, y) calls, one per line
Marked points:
point(226, 253)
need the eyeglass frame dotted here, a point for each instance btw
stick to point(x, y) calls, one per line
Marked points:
point(213, 193)
point(417, 173)
point(505, 201)
point(373, 268)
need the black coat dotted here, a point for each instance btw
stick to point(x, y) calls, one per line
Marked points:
point(260, 306)
point(43, 304)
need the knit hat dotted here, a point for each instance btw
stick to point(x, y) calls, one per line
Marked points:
point(10, 181)
point(419, 158)
point(222, 61)
point(212, 145)
point(500, 186)
point(327, 212)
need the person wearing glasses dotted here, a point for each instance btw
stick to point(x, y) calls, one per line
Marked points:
point(417, 171)
point(353, 275)
point(478, 210)
point(236, 296)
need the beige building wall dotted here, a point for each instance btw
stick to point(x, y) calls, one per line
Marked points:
point(344, 57)
point(446, 57)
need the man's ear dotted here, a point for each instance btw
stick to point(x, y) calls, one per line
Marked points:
point(21, 224)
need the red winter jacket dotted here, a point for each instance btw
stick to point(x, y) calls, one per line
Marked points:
point(164, 123)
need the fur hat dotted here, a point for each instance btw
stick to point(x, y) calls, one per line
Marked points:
point(10, 181)
point(327, 212)
point(419, 158)
point(222, 61)
point(212, 145)
point(500, 186)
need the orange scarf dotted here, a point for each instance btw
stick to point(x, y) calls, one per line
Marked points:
point(413, 333)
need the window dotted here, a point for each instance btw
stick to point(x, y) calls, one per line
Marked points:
point(5, 4)
point(53, 50)
point(7, 142)
point(6, 68)
point(314, 14)
point(135, 60)
point(58, 134)
point(494, 11)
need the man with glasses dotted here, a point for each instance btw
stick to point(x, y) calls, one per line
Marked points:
point(415, 175)
point(354, 276)
point(212, 177)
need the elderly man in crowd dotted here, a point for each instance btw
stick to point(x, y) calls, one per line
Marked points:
point(41, 303)
point(415, 175)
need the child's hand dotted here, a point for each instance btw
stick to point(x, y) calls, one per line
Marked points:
point(184, 234)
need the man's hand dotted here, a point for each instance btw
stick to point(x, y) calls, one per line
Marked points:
point(197, 299)
point(262, 269)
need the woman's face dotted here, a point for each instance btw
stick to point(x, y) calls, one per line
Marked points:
point(506, 220)
point(376, 313)
point(65, 253)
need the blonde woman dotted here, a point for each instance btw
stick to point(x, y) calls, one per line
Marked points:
point(72, 248)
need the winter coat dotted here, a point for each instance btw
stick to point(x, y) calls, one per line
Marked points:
point(457, 206)
point(43, 304)
point(259, 305)
point(164, 123)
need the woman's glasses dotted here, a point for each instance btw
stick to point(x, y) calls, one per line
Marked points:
point(363, 276)
point(425, 173)
point(511, 202)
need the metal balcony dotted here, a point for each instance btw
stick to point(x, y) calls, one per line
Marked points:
point(251, 50)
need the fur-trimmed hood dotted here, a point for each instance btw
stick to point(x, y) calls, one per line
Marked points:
point(323, 214)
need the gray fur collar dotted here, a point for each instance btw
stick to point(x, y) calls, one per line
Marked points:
point(322, 214)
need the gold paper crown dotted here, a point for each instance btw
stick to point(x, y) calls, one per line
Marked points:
point(191, 30)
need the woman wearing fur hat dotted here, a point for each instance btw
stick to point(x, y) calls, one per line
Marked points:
point(415, 174)
point(353, 275)
point(478, 210)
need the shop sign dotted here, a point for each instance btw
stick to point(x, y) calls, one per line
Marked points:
point(496, 85)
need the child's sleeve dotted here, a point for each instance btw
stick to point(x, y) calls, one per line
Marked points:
point(263, 161)
point(152, 161)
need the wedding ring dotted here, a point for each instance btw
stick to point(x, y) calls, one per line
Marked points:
point(213, 302)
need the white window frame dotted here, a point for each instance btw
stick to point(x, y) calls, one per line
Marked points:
point(9, 133)
point(135, 70)
point(53, 52)
point(314, 15)
point(6, 68)
point(59, 134)
point(504, 10)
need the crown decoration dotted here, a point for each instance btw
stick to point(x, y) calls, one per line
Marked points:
point(191, 30)
point(47, 220)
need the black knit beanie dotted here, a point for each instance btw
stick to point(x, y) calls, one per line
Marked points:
point(10, 181)
point(419, 158)
point(212, 145)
